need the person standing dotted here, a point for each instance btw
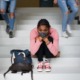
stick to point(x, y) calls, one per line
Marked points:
point(67, 17)
point(10, 19)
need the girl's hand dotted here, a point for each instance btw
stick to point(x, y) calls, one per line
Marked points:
point(39, 38)
point(55, 1)
point(46, 41)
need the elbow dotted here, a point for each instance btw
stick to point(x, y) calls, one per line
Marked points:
point(55, 53)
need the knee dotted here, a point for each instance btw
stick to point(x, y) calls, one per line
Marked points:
point(75, 10)
point(12, 15)
point(66, 13)
point(2, 12)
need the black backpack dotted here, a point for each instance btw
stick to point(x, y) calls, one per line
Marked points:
point(21, 62)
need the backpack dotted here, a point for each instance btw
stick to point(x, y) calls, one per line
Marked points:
point(21, 62)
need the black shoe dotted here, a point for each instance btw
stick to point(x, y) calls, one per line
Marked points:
point(7, 29)
point(77, 18)
point(11, 34)
point(79, 22)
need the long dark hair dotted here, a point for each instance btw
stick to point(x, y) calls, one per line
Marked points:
point(43, 22)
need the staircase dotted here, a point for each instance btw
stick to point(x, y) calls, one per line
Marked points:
point(66, 67)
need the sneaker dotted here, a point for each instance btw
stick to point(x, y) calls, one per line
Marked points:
point(7, 29)
point(11, 34)
point(64, 34)
point(77, 18)
point(78, 21)
point(69, 29)
point(47, 67)
point(40, 67)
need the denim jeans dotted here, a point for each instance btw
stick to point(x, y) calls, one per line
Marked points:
point(9, 20)
point(3, 4)
point(67, 18)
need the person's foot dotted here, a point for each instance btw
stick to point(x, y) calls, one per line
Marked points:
point(7, 29)
point(79, 22)
point(47, 66)
point(77, 18)
point(40, 67)
point(11, 34)
point(65, 35)
point(69, 29)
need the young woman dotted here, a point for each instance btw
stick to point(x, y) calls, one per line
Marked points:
point(44, 42)
point(67, 16)
point(11, 18)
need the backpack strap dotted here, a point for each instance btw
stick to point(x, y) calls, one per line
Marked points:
point(32, 74)
point(12, 57)
point(7, 71)
point(23, 54)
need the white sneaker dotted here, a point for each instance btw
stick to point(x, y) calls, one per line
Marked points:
point(40, 67)
point(47, 67)
point(69, 29)
point(64, 34)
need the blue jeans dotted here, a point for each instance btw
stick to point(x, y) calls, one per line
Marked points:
point(9, 20)
point(67, 17)
point(12, 5)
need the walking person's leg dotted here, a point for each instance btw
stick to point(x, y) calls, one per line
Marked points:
point(4, 14)
point(79, 15)
point(63, 6)
point(73, 6)
point(12, 17)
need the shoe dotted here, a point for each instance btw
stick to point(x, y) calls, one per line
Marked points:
point(65, 35)
point(79, 22)
point(69, 29)
point(47, 67)
point(7, 29)
point(77, 18)
point(11, 34)
point(40, 67)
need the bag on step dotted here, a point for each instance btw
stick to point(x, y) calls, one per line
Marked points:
point(21, 62)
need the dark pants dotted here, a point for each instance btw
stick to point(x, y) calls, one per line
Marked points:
point(46, 3)
point(44, 51)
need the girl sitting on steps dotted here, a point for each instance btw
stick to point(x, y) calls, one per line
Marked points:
point(44, 42)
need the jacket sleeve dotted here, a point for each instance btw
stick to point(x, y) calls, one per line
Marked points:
point(34, 45)
point(53, 47)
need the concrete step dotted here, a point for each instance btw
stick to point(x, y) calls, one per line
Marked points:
point(65, 51)
point(71, 41)
point(40, 11)
point(34, 21)
point(59, 65)
point(24, 26)
point(26, 33)
point(42, 76)
point(66, 68)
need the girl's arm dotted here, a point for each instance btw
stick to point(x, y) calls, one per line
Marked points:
point(54, 47)
point(34, 43)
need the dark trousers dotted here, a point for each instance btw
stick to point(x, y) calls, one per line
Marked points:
point(46, 3)
point(44, 51)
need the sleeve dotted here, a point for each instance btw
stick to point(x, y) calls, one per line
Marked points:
point(53, 47)
point(34, 45)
